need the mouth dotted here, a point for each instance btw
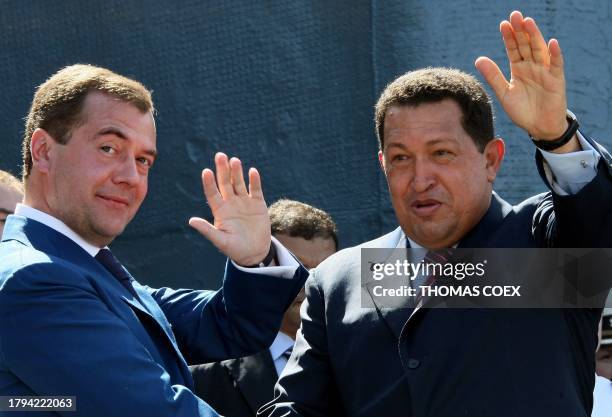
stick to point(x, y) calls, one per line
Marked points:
point(425, 208)
point(114, 201)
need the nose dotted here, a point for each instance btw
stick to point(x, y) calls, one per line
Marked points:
point(127, 172)
point(424, 176)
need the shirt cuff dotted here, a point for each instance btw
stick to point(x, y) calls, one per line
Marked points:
point(568, 172)
point(286, 268)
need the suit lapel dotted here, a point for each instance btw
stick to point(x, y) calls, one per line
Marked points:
point(159, 317)
point(394, 318)
point(255, 377)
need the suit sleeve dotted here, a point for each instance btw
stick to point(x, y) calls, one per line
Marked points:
point(240, 319)
point(65, 341)
point(306, 386)
point(582, 219)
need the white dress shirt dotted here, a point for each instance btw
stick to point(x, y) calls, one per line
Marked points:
point(567, 173)
point(278, 347)
point(602, 397)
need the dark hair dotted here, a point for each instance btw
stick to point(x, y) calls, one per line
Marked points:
point(298, 219)
point(430, 85)
point(58, 102)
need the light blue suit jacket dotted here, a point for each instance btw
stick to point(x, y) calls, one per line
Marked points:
point(68, 327)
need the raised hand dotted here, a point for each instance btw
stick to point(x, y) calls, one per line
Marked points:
point(535, 97)
point(241, 228)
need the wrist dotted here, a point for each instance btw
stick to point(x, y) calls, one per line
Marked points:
point(264, 261)
point(566, 140)
point(552, 134)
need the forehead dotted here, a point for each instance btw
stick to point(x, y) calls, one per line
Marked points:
point(310, 252)
point(103, 110)
point(9, 197)
point(439, 120)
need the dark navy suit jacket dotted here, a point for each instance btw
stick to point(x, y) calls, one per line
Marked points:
point(237, 387)
point(372, 362)
point(68, 327)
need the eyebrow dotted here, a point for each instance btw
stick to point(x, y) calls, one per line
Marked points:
point(432, 142)
point(117, 132)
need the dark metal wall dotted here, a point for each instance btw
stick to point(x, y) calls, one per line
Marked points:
point(287, 86)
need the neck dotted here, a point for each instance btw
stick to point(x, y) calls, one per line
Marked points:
point(289, 332)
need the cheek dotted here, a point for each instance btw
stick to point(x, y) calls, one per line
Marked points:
point(142, 188)
point(398, 182)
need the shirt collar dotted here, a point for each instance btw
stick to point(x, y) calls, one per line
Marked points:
point(280, 345)
point(57, 225)
point(413, 244)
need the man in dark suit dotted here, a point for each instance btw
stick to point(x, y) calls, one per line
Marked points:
point(73, 322)
point(440, 157)
point(238, 387)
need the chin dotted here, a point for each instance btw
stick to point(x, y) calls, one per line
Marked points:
point(109, 232)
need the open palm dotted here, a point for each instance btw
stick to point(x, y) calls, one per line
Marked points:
point(241, 228)
point(535, 97)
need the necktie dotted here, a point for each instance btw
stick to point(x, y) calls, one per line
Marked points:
point(108, 260)
point(433, 257)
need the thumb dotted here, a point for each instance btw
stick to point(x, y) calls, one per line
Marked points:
point(210, 232)
point(492, 75)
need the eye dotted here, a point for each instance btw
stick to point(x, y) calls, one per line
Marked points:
point(146, 162)
point(443, 154)
point(107, 149)
point(399, 158)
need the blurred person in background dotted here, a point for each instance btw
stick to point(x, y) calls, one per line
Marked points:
point(11, 193)
point(602, 395)
point(604, 353)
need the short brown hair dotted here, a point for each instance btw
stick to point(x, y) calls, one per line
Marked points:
point(6, 178)
point(297, 219)
point(430, 85)
point(58, 102)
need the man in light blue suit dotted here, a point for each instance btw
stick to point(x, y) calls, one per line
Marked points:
point(73, 322)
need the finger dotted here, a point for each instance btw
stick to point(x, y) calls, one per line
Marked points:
point(211, 192)
point(539, 50)
point(237, 177)
point(493, 76)
point(509, 42)
point(223, 175)
point(556, 58)
point(522, 38)
point(210, 232)
point(255, 184)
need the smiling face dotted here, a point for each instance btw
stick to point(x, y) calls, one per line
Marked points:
point(440, 183)
point(96, 182)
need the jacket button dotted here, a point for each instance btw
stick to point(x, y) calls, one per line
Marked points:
point(413, 363)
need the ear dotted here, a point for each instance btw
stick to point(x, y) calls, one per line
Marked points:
point(381, 161)
point(494, 154)
point(41, 145)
